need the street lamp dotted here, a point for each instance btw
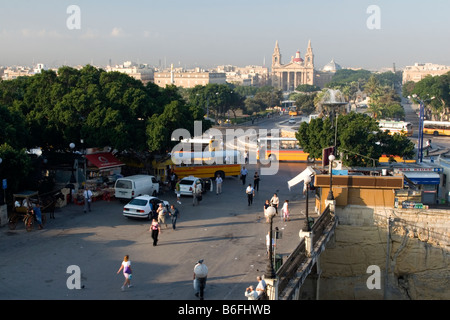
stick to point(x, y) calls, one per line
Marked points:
point(330, 193)
point(421, 119)
point(270, 273)
point(307, 182)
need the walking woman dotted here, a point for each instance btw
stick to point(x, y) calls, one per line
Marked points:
point(126, 267)
point(155, 229)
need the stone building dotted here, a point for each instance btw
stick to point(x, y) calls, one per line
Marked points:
point(298, 71)
point(188, 79)
point(420, 70)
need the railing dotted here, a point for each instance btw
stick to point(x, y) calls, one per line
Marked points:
point(290, 268)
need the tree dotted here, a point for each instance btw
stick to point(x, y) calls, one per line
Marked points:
point(305, 103)
point(437, 87)
point(357, 137)
point(307, 88)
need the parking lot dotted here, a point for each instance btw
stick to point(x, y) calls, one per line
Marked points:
point(223, 230)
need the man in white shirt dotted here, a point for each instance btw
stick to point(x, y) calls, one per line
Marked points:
point(219, 181)
point(250, 193)
point(261, 287)
point(87, 199)
point(200, 276)
point(251, 294)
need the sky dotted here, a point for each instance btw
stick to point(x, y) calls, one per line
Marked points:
point(369, 34)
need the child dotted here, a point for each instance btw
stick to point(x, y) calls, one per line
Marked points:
point(285, 210)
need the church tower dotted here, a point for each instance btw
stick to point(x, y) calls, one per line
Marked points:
point(309, 56)
point(276, 56)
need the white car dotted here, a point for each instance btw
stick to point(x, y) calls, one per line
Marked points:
point(292, 121)
point(139, 207)
point(187, 185)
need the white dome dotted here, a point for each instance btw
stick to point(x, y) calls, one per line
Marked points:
point(332, 67)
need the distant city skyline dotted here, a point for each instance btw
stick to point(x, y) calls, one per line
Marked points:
point(210, 33)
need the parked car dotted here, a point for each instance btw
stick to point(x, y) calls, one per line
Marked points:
point(139, 207)
point(187, 185)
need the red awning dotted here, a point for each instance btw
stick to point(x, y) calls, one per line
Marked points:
point(104, 160)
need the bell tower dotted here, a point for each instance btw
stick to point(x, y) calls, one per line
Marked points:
point(309, 56)
point(276, 56)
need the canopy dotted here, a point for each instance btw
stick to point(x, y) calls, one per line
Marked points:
point(423, 177)
point(104, 160)
point(301, 177)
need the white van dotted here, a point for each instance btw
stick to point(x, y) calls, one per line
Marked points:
point(137, 185)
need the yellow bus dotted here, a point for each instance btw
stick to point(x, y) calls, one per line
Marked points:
point(207, 164)
point(387, 158)
point(436, 128)
point(281, 149)
point(400, 127)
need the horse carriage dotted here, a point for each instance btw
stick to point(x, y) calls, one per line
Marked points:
point(25, 206)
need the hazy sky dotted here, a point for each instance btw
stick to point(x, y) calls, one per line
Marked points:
point(237, 32)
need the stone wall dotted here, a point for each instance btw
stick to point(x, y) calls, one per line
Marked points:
point(418, 251)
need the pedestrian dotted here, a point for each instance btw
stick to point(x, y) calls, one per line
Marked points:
point(256, 180)
point(251, 294)
point(250, 194)
point(244, 173)
point(261, 288)
point(266, 205)
point(126, 268)
point(219, 181)
point(285, 211)
point(87, 199)
point(274, 202)
point(155, 229)
point(196, 193)
point(38, 215)
point(174, 213)
point(178, 191)
point(200, 277)
point(246, 157)
point(162, 211)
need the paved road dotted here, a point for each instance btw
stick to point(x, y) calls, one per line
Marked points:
point(222, 230)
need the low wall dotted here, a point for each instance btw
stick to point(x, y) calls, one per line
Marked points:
point(412, 244)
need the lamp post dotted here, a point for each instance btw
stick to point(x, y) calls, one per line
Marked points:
point(420, 132)
point(307, 182)
point(270, 273)
point(330, 193)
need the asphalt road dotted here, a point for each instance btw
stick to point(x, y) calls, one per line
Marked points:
point(223, 230)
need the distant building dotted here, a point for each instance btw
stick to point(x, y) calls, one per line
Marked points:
point(140, 72)
point(245, 76)
point(298, 71)
point(188, 79)
point(420, 70)
point(11, 73)
point(332, 66)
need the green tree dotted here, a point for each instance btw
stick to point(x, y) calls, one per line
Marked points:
point(437, 88)
point(357, 137)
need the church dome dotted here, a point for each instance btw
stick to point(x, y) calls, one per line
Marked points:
point(297, 57)
point(332, 66)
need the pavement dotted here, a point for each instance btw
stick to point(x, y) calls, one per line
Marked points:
point(222, 230)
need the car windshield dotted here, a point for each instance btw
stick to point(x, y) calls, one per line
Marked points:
point(139, 202)
point(187, 182)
